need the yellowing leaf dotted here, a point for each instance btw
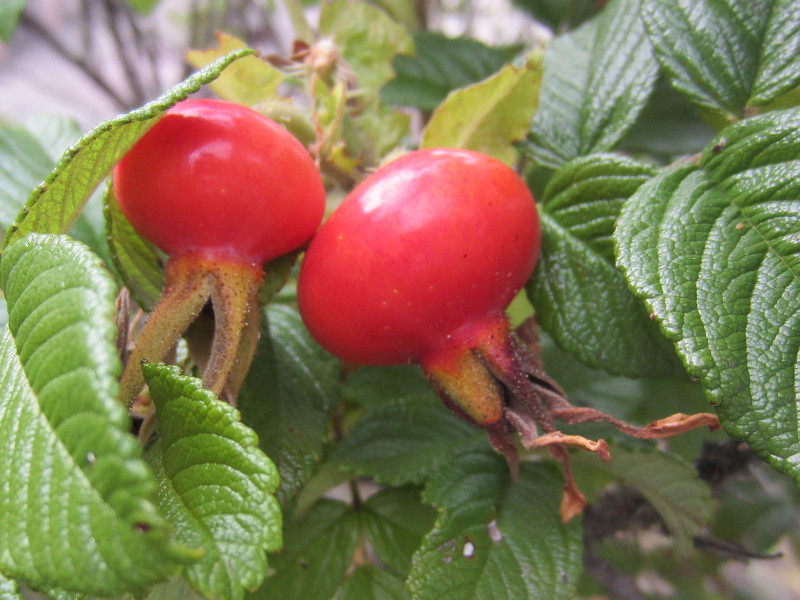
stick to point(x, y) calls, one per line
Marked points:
point(488, 116)
point(248, 81)
point(341, 160)
point(295, 119)
point(380, 129)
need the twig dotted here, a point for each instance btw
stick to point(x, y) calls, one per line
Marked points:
point(145, 43)
point(112, 13)
point(86, 27)
point(730, 549)
point(79, 61)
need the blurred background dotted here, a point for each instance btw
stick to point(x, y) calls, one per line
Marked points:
point(93, 59)
point(90, 60)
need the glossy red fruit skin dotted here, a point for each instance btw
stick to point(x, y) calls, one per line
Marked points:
point(221, 179)
point(422, 256)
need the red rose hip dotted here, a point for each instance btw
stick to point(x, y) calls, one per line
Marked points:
point(418, 264)
point(431, 245)
point(221, 189)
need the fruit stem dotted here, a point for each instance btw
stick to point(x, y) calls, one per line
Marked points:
point(495, 379)
point(186, 291)
point(191, 280)
point(234, 297)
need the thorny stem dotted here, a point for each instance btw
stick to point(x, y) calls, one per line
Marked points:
point(361, 552)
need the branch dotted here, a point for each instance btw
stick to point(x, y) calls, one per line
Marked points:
point(79, 61)
point(112, 20)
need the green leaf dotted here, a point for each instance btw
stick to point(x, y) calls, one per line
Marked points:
point(327, 477)
point(24, 162)
point(290, 389)
point(371, 386)
point(9, 15)
point(318, 551)
point(9, 590)
point(216, 486)
point(724, 55)
point(402, 441)
point(714, 250)
point(373, 130)
point(137, 260)
point(669, 484)
point(488, 116)
point(439, 66)
point(779, 66)
point(669, 126)
point(466, 491)
point(597, 80)
point(508, 541)
point(89, 228)
point(77, 505)
point(401, 11)
point(27, 155)
point(276, 275)
point(370, 583)
point(55, 133)
point(395, 520)
point(176, 588)
point(173, 589)
point(370, 135)
point(580, 297)
point(143, 7)
point(55, 204)
point(248, 81)
point(558, 14)
point(346, 23)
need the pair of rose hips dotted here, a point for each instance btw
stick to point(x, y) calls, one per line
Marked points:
point(417, 265)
